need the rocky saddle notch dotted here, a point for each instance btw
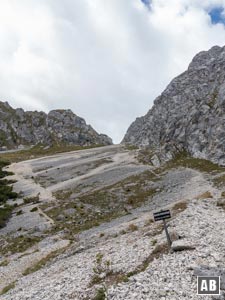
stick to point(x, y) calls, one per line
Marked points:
point(190, 114)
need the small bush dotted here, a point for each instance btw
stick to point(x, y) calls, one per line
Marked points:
point(19, 212)
point(4, 263)
point(34, 209)
point(6, 193)
point(5, 214)
point(101, 267)
point(34, 200)
point(132, 227)
point(100, 295)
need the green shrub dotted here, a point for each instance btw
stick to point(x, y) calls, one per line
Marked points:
point(100, 295)
point(34, 209)
point(6, 193)
point(5, 214)
point(34, 199)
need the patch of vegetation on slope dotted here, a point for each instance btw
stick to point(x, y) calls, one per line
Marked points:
point(41, 150)
point(41, 263)
point(77, 213)
point(18, 244)
point(103, 205)
point(7, 288)
point(183, 159)
point(6, 192)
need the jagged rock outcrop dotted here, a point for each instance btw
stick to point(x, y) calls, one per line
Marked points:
point(57, 127)
point(190, 114)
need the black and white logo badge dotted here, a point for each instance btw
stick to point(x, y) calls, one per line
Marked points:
point(208, 285)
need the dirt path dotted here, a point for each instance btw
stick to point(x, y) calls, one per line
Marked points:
point(40, 211)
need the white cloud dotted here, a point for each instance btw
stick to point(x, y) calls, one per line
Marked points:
point(105, 59)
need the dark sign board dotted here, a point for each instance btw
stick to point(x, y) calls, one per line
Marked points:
point(162, 215)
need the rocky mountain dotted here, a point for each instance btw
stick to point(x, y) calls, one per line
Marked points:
point(19, 127)
point(190, 114)
point(82, 225)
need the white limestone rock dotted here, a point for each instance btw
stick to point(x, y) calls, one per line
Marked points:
point(190, 114)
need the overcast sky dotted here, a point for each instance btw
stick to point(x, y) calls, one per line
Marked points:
point(105, 59)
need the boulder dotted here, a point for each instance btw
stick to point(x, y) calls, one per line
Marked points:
point(182, 245)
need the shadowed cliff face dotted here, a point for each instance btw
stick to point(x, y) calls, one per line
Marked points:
point(190, 114)
point(58, 126)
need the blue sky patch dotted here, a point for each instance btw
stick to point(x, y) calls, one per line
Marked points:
point(216, 15)
point(146, 2)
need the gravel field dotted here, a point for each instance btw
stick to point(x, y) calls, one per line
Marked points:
point(126, 257)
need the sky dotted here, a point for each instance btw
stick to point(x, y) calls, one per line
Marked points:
point(106, 60)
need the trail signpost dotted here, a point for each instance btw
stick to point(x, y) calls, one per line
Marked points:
point(162, 216)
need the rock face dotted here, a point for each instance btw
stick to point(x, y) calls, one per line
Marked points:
point(57, 127)
point(190, 114)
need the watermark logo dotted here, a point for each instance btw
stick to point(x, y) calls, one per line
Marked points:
point(208, 285)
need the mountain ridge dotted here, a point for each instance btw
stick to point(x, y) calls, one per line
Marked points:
point(60, 126)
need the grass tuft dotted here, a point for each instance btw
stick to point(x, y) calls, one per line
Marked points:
point(7, 288)
point(100, 294)
point(43, 262)
point(205, 195)
point(132, 227)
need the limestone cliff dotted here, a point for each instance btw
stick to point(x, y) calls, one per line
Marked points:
point(190, 114)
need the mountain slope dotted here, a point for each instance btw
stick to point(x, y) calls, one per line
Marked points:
point(83, 228)
point(57, 127)
point(190, 114)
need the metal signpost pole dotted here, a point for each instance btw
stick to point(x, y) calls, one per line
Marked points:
point(167, 234)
